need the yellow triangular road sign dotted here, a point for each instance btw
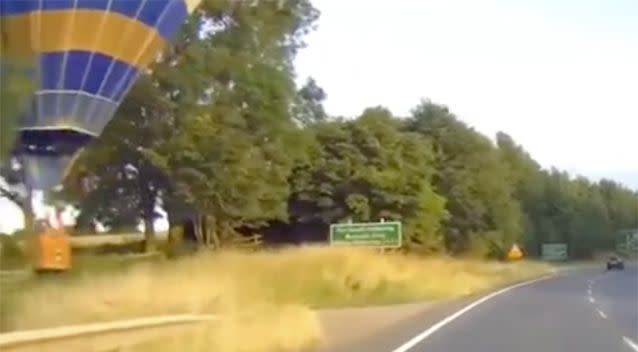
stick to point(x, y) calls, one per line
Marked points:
point(515, 252)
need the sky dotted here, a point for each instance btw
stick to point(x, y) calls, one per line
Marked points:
point(559, 76)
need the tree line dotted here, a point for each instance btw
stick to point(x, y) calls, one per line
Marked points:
point(219, 133)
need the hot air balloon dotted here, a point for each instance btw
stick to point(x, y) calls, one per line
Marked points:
point(88, 54)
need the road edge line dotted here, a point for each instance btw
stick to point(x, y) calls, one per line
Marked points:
point(432, 329)
point(630, 343)
point(25, 337)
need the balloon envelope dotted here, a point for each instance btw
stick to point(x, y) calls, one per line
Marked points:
point(89, 53)
point(45, 170)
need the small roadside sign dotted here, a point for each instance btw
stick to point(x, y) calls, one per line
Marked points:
point(371, 234)
point(554, 251)
point(627, 240)
point(514, 253)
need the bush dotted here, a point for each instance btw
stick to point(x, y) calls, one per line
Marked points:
point(115, 248)
point(12, 255)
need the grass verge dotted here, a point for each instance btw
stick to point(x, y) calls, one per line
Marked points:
point(266, 298)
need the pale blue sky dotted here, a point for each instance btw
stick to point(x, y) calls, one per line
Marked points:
point(560, 76)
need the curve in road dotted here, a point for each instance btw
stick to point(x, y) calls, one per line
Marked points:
point(588, 311)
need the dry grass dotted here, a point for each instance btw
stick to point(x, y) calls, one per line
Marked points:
point(266, 298)
point(254, 329)
point(88, 241)
point(105, 239)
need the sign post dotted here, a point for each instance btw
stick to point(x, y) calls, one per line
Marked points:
point(632, 241)
point(384, 234)
point(554, 251)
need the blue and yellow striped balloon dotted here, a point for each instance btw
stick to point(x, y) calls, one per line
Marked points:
point(90, 53)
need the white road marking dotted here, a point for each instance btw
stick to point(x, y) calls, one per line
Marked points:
point(589, 292)
point(630, 343)
point(602, 314)
point(425, 334)
point(591, 299)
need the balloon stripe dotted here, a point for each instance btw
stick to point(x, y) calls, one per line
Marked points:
point(145, 45)
point(69, 110)
point(66, 36)
point(54, 25)
point(96, 67)
point(87, 68)
point(124, 32)
point(192, 4)
point(13, 38)
point(127, 8)
point(86, 55)
point(17, 7)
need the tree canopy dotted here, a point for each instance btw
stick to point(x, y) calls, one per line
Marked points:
point(219, 126)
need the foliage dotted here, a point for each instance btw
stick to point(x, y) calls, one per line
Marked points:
point(218, 125)
point(470, 176)
point(17, 87)
point(309, 107)
point(12, 254)
point(367, 170)
point(561, 208)
point(234, 150)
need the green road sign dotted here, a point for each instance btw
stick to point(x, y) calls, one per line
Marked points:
point(554, 251)
point(621, 246)
point(373, 234)
point(627, 240)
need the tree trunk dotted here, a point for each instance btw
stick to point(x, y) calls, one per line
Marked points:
point(148, 211)
point(29, 218)
point(213, 232)
point(198, 228)
point(149, 234)
point(24, 204)
point(175, 236)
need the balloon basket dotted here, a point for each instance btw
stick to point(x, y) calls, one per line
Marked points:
point(51, 251)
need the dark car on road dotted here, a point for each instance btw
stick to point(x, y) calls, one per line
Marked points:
point(615, 263)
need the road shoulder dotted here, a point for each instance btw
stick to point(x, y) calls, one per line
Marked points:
point(345, 326)
point(385, 328)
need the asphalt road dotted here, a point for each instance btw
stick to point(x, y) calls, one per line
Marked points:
point(582, 310)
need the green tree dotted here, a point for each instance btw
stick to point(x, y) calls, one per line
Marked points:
point(16, 90)
point(560, 208)
point(309, 108)
point(526, 176)
point(471, 176)
point(124, 186)
point(235, 141)
point(218, 127)
point(366, 170)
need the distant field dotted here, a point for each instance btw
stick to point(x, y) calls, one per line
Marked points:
point(106, 239)
point(83, 245)
point(267, 295)
point(85, 241)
